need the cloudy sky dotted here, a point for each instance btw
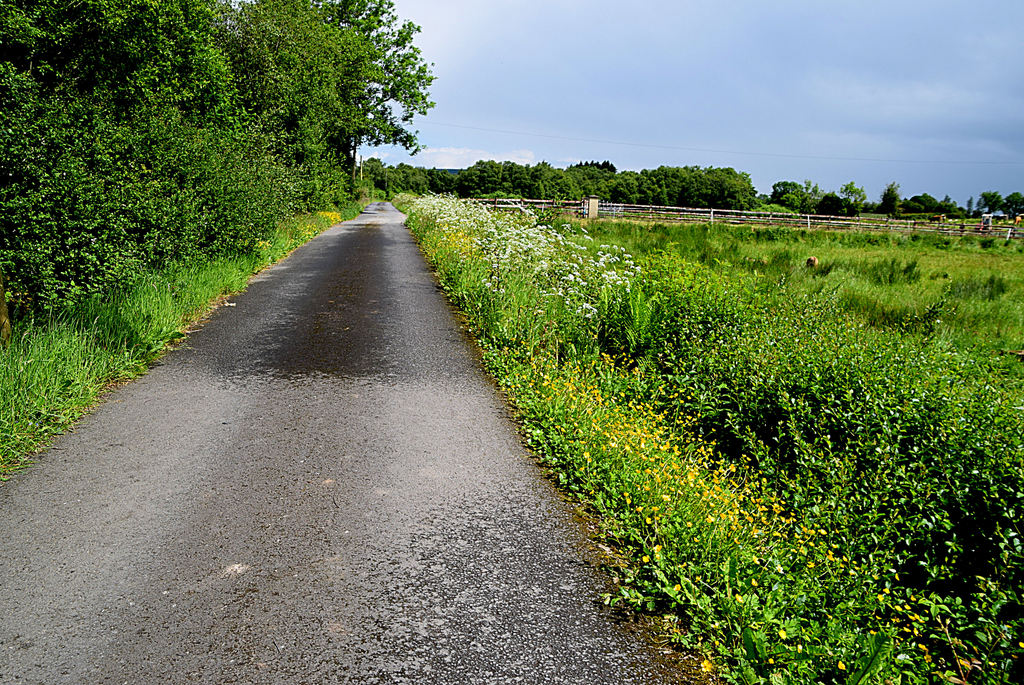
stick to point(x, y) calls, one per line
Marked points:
point(927, 94)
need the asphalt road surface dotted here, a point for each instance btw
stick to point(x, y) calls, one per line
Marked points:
point(320, 486)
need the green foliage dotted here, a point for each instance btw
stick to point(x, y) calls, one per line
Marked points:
point(300, 78)
point(394, 87)
point(813, 499)
point(1013, 204)
point(991, 201)
point(854, 198)
point(831, 204)
point(889, 203)
point(97, 201)
point(56, 366)
point(144, 134)
point(723, 188)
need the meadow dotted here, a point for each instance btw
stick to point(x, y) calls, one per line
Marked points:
point(811, 475)
point(57, 366)
point(968, 290)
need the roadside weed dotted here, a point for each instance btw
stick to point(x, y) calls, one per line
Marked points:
point(804, 493)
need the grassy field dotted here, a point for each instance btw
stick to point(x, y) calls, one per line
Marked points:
point(812, 475)
point(967, 290)
point(54, 370)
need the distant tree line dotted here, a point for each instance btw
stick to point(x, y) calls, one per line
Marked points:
point(690, 186)
point(140, 133)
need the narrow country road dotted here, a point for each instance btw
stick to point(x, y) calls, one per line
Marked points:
point(320, 486)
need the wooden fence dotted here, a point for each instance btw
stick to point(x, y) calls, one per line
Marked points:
point(807, 221)
point(613, 210)
point(575, 208)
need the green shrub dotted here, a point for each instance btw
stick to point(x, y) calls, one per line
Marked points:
point(808, 497)
point(978, 287)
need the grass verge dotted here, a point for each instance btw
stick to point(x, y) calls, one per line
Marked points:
point(803, 496)
point(54, 370)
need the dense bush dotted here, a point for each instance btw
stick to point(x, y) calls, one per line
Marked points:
point(98, 201)
point(811, 498)
point(912, 466)
point(138, 134)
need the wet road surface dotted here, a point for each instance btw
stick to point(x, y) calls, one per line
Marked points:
point(320, 486)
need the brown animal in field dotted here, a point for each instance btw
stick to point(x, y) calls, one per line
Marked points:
point(1018, 219)
point(937, 218)
point(812, 262)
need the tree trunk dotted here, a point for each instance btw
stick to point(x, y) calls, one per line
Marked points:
point(5, 321)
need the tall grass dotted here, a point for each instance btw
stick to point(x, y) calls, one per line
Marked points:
point(966, 290)
point(804, 495)
point(55, 369)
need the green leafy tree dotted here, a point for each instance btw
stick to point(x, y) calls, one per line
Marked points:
point(479, 180)
point(441, 181)
point(831, 205)
point(301, 77)
point(119, 145)
point(890, 200)
point(652, 190)
point(552, 184)
point(591, 178)
point(854, 198)
point(625, 188)
point(991, 201)
point(948, 207)
point(137, 133)
point(787, 194)
point(800, 197)
point(396, 86)
point(1014, 204)
point(922, 204)
point(127, 54)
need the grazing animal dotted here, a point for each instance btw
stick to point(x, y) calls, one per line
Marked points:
point(937, 218)
point(812, 262)
point(1016, 221)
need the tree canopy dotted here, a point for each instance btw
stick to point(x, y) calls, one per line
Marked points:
point(137, 133)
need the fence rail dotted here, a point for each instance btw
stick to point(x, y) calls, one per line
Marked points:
point(579, 208)
point(574, 207)
point(808, 221)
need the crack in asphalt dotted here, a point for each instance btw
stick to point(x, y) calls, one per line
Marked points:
point(321, 485)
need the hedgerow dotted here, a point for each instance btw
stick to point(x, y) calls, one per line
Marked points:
point(140, 134)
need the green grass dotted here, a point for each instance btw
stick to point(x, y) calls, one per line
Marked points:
point(809, 483)
point(967, 290)
point(55, 369)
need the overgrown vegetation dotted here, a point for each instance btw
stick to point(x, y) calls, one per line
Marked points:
point(805, 496)
point(56, 366)
point(135, 135)
point(965, 291)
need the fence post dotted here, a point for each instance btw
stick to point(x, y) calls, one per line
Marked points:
point(593, 206)
point(712, 216)
point(5, 321)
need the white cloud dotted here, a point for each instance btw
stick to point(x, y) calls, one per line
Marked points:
point(830, 81)
point(461, 157)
